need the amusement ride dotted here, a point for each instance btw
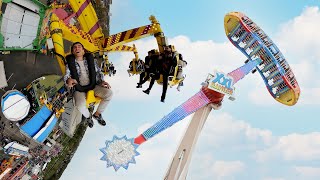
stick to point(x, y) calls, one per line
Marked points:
point(262, 56)
point(77, 21)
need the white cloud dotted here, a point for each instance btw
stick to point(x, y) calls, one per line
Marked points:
point(223, 130)
point(273, 178)
point(310, 173)
point(227, 169)
point(305, 72)
point(292, 147)
point(310, 96)
point(299, 37)
point(261, 96)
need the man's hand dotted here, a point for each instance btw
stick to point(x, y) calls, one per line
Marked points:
point(71, 82)
point(105, 84)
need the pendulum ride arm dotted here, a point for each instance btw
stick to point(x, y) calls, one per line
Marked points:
point(137, 33)
point(180, 163)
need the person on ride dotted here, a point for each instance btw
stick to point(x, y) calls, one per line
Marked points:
point(166, 63)
point(83, 73)
point(182, 63)
point(149, 66)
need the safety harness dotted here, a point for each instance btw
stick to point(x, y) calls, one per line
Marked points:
point(71, 61)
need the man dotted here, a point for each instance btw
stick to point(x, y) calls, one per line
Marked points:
point(149, 66)
point(167, 63)
point(83, 72)
point(182, 63)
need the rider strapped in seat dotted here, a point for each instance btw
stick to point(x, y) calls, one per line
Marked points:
point(83, 72)
point(166, 63)
point(149, 67)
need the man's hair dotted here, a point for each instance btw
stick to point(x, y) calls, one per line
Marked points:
point(153, 51)
point(169, 46)
point(75, 43)
point(180, 56)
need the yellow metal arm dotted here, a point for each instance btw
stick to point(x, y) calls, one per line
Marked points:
point(158, 33)
point(124, 37)
point(71, 33)
point(125, 48)
point(56, 34)
point(87, 17)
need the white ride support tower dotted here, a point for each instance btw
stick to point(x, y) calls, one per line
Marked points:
point(179, 166)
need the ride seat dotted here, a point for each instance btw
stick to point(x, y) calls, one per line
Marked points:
point(91, 99)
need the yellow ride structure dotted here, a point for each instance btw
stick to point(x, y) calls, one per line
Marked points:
point(135, 63)
point(90, 35)
point(108, 68)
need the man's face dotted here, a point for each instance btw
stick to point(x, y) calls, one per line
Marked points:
point(77, 50)
point(167, 48)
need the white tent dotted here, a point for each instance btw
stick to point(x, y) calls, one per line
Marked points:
point(20, 24)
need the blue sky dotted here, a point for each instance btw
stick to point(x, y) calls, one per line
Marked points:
point(253, 137)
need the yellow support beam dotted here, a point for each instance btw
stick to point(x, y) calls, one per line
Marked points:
point(158, 33)
point(56, 34)
point(87, 17)
point(125, 48)
point(71, 33)
point(124, 37)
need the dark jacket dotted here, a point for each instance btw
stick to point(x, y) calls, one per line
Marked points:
point(72, 68)
point(151, 63)
point(167, 64)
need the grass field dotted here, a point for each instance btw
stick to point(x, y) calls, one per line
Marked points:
point(58, 164)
